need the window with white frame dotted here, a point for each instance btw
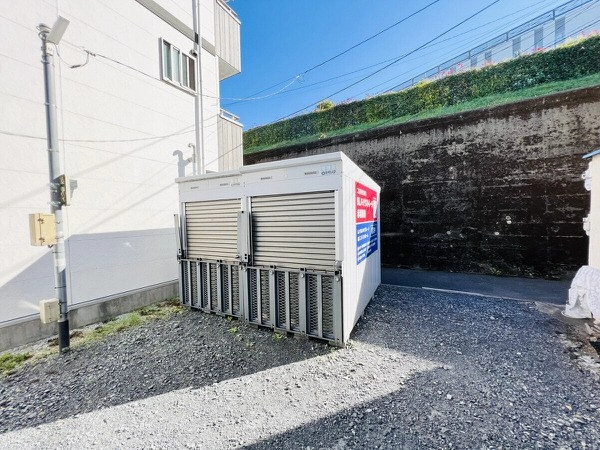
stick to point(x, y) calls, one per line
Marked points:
point(177, 67)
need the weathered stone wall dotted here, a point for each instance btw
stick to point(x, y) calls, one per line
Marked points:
point(495, 191)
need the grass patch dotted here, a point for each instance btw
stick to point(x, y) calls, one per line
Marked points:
point(11, 362)
point(121, 323)
point(479, 103)
point(127, 321)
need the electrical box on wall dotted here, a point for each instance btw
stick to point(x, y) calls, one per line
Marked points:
point(42, 229)
point(49, 310)
point(66, 186)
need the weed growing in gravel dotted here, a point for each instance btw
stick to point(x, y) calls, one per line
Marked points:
point(277, 336)
point(9, 362)
point(130, 320)
point(233, 330)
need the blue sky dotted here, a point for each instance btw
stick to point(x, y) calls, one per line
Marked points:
point(282, 39)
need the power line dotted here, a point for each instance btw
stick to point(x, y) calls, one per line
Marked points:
point(245, 99)
point(151, 138)
point(470, 41)
point(502, 47)
point(404, 19)
point(395, 61)
point(369, 38)
point(146, 74)
point(487, 33)
point(384, 123)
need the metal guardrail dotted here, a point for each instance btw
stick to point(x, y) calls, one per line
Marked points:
point(500, 39)
point(226, 7)
point(230, 116)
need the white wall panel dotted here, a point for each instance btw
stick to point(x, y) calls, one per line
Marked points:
point(207, 20)
point(118, 128)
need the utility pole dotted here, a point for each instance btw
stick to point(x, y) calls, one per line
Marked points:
point(199, 163)
point(50, 37)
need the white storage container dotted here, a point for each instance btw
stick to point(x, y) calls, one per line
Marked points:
point(292, 245)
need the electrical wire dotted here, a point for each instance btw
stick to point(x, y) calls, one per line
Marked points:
point(150, 138)
point(518, 19)
point(73, 66)
point(322, 63)
point(470, 40)
point(574, 33)
point(491, 32)
point(395, 61)
point(297, 78)
point(500, 48)
point(98, 55)
point(370, 38)
point(116, 61)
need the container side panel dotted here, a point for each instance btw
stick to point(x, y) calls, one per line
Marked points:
point(361, 270)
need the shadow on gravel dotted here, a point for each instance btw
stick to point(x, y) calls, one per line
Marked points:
point(192, 349)
point(505, 380)
point(503, 376)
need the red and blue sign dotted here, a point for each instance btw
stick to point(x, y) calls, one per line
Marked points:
point(366, 222)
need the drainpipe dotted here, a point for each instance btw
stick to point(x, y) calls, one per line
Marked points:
point(198, 104)
point(54, 164)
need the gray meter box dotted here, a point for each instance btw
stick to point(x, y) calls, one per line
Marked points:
point(292, 245)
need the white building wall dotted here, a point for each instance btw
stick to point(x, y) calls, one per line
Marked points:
point(118, 128)
point(207, 20)
point(211, 107)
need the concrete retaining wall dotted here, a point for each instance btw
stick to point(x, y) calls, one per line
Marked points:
point(31, 329)
point(495, 191)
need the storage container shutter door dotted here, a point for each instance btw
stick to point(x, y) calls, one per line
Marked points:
point(211, 228)
point(294, 231)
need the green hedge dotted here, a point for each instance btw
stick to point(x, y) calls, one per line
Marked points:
point(574, 61)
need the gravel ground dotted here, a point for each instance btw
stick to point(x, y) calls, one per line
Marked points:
point(425, 369)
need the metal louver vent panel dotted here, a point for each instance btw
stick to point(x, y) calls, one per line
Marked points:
point(204, 278)
point(313, 293)
point(294, 303)
point(193, 284)
point(235, 291)
point(185, 283)
point(328, 319)
point(287, 299)
point(253, 285)
point(211, 228)
point(265, 301)
point(226, 286)
point(294, 231)
point(213, 287)
point(281, 321)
